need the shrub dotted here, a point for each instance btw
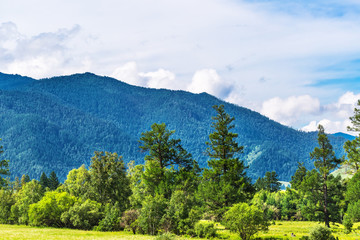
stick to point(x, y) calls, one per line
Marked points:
point(83, 215)
point(205, 229)
point(348, 223)
point(321, 233)
point(245, 220)
point(111, 221)
point(129, 220)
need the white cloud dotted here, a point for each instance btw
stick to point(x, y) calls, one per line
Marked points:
point(290, 110)
point(207, 80)
point(329, 126)
point(128, 73)
point(160, 79)
point(339, 112)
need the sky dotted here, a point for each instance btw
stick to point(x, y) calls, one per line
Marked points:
point(296, 62)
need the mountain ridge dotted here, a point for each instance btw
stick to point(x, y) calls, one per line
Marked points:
point(84, 112)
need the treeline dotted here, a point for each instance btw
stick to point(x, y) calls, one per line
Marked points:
point(171, 193)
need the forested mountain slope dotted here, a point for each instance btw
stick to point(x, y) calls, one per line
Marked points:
point(56, 124)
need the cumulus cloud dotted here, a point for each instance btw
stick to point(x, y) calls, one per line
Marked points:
point(161, 78)
point(330, 126)
point(128, 73)
point(340, 112)
point(289, 110)
point(208, 80)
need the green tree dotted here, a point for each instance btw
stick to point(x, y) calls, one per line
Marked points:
point(53, 181)
point(77, 182)
point(269, 182)
point(47, 212)
point(225, 181)
point(245, 220)
point(24, 179)
point(30, 193)
point(4, 169)
point(355, 120)
point(44, 181)
point(7, 200)
point(83, 215)
point(152, 213)
point(111, 220)
point(353, 188)
point(168, 165)
point(352, 147)
point(298, 176)
point(108, 180)
point(325, 161)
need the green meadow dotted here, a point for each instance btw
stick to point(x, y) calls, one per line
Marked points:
point(279, 230)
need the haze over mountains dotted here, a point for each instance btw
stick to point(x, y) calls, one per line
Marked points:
point(56, 124)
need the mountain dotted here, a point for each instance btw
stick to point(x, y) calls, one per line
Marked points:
point(344, 135)
point(56, 124)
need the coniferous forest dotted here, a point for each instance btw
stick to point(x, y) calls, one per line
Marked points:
point(171, 193)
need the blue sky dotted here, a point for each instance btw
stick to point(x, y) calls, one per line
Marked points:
point(296, 62)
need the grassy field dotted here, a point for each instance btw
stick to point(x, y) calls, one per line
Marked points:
point(281, 230)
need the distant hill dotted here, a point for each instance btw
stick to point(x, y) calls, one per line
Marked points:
point(56, 124)
point(344, 135)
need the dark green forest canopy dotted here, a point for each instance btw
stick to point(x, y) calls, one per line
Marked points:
point(56, 124)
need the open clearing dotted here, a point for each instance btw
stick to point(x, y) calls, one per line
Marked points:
point(281, 230)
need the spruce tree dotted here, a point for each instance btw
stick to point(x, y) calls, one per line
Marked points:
point(53, 181)
point(225, 182)
point(44, 181)
point(352, 147)
point(325, 161)
point(167, 165)
point(4, 169)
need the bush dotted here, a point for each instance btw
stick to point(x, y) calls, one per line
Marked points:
point(129, 220)
point(321, 233)
point(304, 238)
point(246, 220)
point(348, 223)
point(111, 221)
point(166, 236)
point(83, 215)
point(205, 229)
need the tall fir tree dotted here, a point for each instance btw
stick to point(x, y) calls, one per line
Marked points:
point(325, 161)
point(44, 181)
point(4, 169)
point(352, 147)
point(53, 181)
point(168, 165)
point(225, 181)
point(298, 176)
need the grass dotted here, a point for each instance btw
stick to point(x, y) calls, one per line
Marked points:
point(280, 230)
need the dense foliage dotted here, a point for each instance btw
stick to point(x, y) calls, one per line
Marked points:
point(56, 124)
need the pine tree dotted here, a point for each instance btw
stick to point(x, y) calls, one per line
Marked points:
point(298, 177)
point(4, 169)
point(352, 147)
point(225, 182)
point(44, 181)
point(53, 181)
point(325, 161)
point(167, 163)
